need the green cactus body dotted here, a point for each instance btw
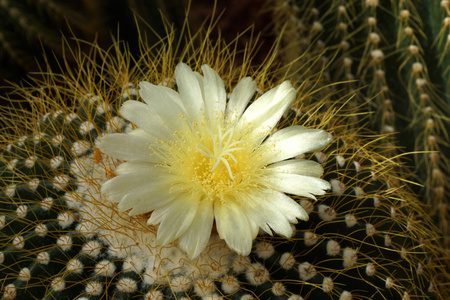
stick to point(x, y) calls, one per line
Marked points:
point(360, 241)
point(392, 57)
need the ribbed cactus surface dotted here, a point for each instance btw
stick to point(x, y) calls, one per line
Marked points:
point(364, 239)
point(392, 57)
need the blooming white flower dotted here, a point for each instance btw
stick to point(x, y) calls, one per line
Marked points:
point(197, 159)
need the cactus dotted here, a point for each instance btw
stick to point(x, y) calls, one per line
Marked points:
point(393, 56)
point(369, 237)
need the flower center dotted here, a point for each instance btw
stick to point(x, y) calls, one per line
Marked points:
point(221, 152)
point(213, 161)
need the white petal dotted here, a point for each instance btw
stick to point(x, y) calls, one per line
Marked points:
point(239, 98)
point(146, 118)
point(214, 93)
point(200, 83)
point(150, 204)
point(142, 202)
point(137, 166)
point(267, 110)
point(254, 228)
point(190, 92)
point(267, 214)
point(128, 147)
point(292, 141)
point(233, 226)
point(299, 185)
point(288, 207)
point(196, 237)
point(117, 187)
point(297, 166)
point(147, 197)
point(166, 102)
point(141, 133)
point(253, 203)
point(174, 217)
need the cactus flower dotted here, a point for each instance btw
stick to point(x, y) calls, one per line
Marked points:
point(197, 159)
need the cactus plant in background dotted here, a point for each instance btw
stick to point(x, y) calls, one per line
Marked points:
point(370, 237)
point(394, 57)
point(28, 28)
